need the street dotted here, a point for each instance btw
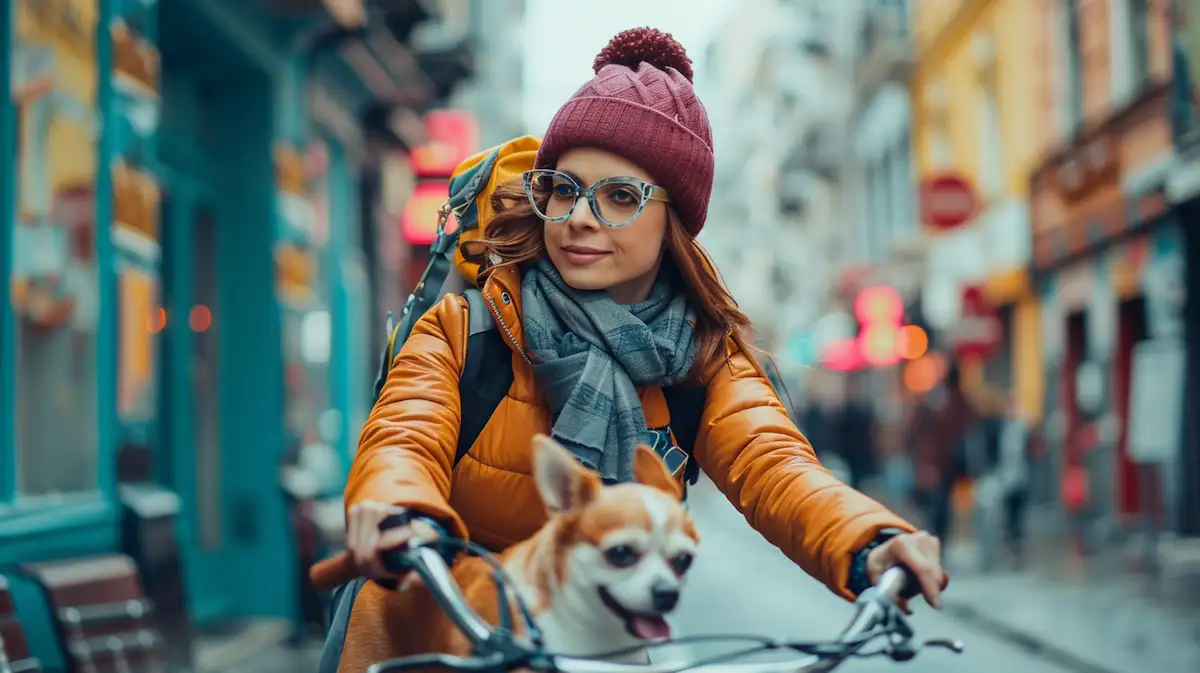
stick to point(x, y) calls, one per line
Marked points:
point(741, 584)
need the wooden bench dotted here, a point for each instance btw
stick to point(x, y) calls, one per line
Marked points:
point(14, 650)
point(104, 619)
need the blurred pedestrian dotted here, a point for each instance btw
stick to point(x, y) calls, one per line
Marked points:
point(855, 431)
point(1013, 472)
point(939, 430)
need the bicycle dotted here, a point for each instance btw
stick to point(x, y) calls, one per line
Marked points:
point(500, 649)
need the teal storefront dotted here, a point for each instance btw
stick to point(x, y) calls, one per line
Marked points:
point(157, 331)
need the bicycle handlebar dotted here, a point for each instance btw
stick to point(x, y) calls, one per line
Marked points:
point(876, 616)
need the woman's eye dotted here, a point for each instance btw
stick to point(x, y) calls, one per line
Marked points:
point(621, 556)
point(563, 189)
point(623, 197)
point(681, 563)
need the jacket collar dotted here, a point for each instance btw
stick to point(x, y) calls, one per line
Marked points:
point(502, 292)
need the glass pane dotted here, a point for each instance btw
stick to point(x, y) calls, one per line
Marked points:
point(305, 273)
point(53, 284)
point(141, 319)
point(203, 320)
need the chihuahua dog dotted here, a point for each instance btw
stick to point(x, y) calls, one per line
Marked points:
point(602, 574)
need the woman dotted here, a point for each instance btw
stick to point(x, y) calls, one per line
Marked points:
point(594, 276)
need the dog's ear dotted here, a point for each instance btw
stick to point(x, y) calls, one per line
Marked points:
point(650, 470)
point(563, 483)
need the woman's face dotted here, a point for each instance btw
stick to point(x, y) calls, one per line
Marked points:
point(591, 255)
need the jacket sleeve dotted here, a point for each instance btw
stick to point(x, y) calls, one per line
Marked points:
point(754, 453)
point(406, 451)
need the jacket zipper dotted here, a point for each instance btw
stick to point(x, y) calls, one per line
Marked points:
point(503, 326)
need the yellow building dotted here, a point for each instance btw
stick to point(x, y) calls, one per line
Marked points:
point(975, 113)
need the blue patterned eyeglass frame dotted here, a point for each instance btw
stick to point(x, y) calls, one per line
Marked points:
point(650, 192)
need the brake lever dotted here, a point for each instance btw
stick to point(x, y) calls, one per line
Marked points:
point(955, 646)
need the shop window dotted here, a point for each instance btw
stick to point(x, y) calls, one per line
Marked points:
point(1074, 70)
point(203, 320)
point(908, 168)
point(54, 279)
point(998, 371)
point(306, 271)
point(901, 187)
point(991, 143)
point(141, 317)
point(941, 151)
point(1139, 42)
point(877, 210)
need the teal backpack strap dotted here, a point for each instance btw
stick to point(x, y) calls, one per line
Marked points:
point(464, 189)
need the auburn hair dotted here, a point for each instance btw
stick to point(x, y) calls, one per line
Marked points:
point(514, 237)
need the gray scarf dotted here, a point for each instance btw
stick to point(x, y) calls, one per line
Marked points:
point(591, 355)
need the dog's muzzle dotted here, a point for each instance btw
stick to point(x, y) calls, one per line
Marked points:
point(642, 625)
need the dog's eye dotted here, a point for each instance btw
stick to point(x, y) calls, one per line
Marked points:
point(681, 563)
point(621, 556)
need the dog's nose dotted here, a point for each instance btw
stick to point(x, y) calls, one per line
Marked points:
point(664, 598)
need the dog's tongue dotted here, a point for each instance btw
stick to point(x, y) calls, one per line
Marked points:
point(650, 628)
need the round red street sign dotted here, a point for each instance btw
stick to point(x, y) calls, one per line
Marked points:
point(947, 202)
point(978, 333)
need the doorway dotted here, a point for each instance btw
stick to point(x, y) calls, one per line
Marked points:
point(190, 398)
point(222, 379)
point(1075, 487)
point(1131, 329)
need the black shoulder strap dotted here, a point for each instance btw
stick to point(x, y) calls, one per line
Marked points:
point(388, 355)
point(686, 405)
point(338, 618)
point(487, 374)
point(775, 378)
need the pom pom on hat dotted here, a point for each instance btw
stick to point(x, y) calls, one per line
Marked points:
point(635, 46)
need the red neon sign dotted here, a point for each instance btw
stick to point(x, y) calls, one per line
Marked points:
point(453, 136)
point(418, 223)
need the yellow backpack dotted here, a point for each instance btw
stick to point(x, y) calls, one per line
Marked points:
point(470, 202)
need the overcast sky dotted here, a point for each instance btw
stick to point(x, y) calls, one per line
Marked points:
point(565, 35)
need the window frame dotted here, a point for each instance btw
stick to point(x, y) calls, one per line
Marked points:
point(1076, 101)
point(991, 128)
point(1138, 33)
point(44, 526)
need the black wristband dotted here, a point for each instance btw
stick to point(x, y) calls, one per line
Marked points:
point(859, 579)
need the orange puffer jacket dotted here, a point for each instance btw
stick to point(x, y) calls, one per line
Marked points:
point(745, 443)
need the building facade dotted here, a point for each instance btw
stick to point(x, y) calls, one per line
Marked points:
point(973, 120)
point(191, 238)
point(1110, 260)
point(1183, 193)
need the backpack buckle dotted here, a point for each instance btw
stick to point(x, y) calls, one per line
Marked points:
point(676, 460)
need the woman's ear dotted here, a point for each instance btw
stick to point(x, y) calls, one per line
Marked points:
point(562, 482)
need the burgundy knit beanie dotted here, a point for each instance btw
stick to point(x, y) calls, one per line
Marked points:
point(641, 105)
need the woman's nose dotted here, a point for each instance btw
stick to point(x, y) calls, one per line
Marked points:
point(582, 216)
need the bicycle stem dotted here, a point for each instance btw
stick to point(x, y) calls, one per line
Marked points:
point(436, 574)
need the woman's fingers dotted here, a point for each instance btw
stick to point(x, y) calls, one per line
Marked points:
point(394, 538)
point(365, 540)
point(921, 554)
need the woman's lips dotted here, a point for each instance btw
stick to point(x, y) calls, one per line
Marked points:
point(583, 256)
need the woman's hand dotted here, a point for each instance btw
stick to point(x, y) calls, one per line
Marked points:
point(921, 553)
point(366, 542)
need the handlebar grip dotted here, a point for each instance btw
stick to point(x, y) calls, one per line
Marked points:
point(396, 561)
point(900, 583)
